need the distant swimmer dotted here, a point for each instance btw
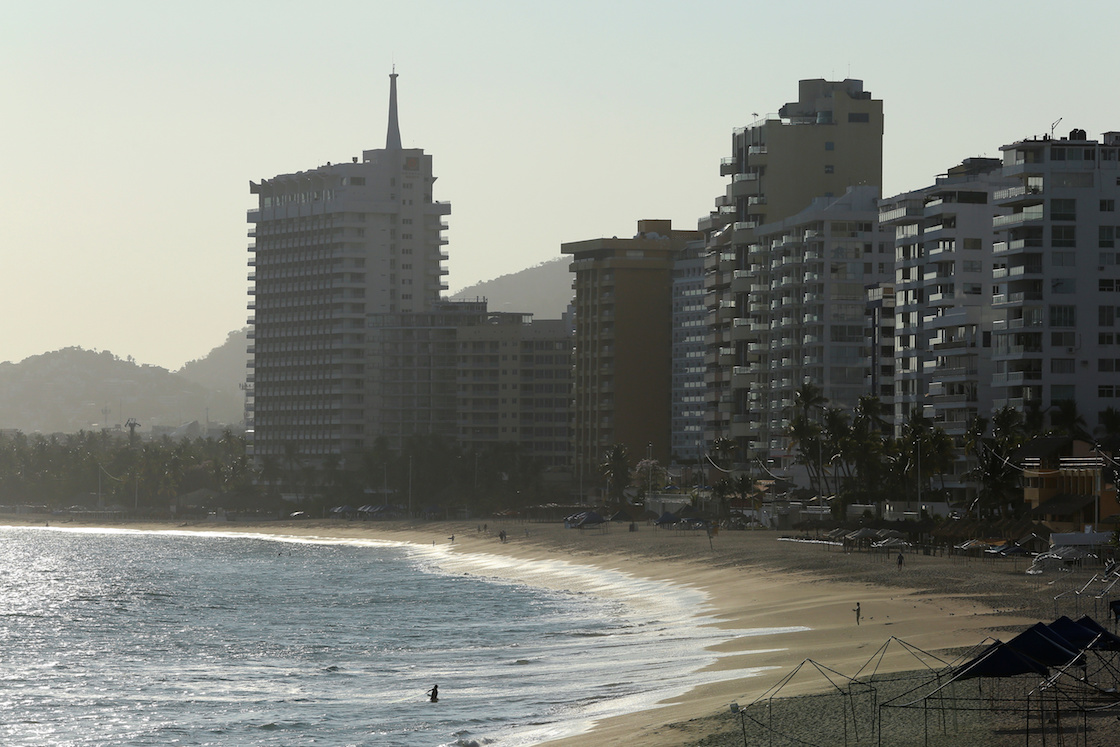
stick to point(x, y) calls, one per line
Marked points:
point(433, 694)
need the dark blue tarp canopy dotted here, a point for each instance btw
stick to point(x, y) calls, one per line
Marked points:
point(1083, 637)
point(1044, 646)
point(1088, 622)
point(666, 518)
point(585, 518)
point(1000, 660)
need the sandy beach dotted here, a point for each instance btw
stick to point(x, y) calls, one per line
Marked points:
point(756, 579)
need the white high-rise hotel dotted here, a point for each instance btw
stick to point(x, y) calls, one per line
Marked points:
point(335, 246)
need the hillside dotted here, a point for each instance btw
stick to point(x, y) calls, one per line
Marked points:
point(544, 290)
point(67, 390)
point(223, 368)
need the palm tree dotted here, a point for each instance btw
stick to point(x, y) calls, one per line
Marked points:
point(996, 476)
point(867, 445)
point(1065, 419)
point(809, 399)
point(616, 468)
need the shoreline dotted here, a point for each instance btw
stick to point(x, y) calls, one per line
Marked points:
point(751, 580)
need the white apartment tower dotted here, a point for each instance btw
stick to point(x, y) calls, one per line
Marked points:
point(944, 272)
point(808, 313)
point(334, 246)
point(1057, 328)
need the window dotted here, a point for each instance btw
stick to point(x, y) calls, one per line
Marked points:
point(829, 145)
point(1063, 316)
point(1063, 285)
point(1106, 237)
point(1063, 259)
point(1060, 392)
point(859, 117)
point(972, 265)
point(1063, 209)
point(1106, 285)
point(1106, 391)
point(1106, 338)
point(828, 168)
point(1108, 206)
point(1062, 365)
point(1063, 236)
point(973, 245)
point(1106, 365)
point(1106, 316)
point(1063, 339)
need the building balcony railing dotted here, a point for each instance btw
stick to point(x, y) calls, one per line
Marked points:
point(1017, 219)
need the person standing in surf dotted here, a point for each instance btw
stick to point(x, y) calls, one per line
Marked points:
point(433, 694)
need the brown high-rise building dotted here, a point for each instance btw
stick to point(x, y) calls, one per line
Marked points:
point(623, 344)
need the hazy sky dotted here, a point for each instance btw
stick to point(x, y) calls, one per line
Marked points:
point(131, 129)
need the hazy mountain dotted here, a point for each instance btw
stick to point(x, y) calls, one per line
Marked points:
point(223, 368)
point(75, 389)
point(544, 290)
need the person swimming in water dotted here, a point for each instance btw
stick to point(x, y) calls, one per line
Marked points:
point(433, 694)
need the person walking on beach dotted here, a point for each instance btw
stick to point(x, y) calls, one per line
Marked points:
point(856, 610)
point(901, 560)
point(433, 694)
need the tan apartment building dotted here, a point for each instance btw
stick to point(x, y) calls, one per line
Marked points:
point(623, 344)
point(828, 140)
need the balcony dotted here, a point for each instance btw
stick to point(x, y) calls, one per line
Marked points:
point(1021, 270)
point(897, 213)
point(1017, 219)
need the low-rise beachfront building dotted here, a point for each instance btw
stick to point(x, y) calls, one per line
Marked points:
point(1069, 485)
point(514, 386)
point(413, 370)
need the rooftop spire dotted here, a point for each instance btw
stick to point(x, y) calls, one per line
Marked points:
point(393, 137)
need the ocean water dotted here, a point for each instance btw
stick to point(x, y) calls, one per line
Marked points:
point(116, 637)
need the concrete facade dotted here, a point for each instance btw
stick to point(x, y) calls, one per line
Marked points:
point(333, 246)
point(1057, 328)
point(623, 344)
point(515, 385)
point(817, 147)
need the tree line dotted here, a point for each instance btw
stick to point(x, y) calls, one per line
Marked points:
point(100, 470)
point(852, 456)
